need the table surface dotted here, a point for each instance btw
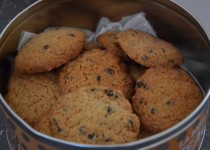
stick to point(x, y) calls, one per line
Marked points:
point(200, 9)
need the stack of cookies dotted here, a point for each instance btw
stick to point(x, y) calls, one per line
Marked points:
point(113, 92)
point(165, 93)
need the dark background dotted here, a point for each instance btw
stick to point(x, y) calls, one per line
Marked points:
point(8, 10)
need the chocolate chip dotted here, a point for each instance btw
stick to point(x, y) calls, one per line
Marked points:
point(153, 110)
point(169, 103)
point(149, 50)
point(98, 78)
point(141, 84)
point(82, 130)
point(93, 89)
point(57, 126)
point(109, 71)
point(163, 50)
point(107, 139)
point(45, 47)
point(170, 61)
point(91, 136)
point(130, 123)
point(65, 109)
point(144, 58)
point(70, 34)
point(108, 92)
point(109, 109)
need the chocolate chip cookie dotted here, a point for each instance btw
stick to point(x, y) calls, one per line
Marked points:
point(148, 50)
point(49, 50)
point(109, 41)
point(164, 97)
point(99, 68)
point(94, 115)
point(31, 96)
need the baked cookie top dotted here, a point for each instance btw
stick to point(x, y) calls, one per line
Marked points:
point(109, 41)
point(31, 96)
point(49, 50)
point(94, 115)
point(43, 125)
point(164, 96)
point(148, 50)
point(96, 68)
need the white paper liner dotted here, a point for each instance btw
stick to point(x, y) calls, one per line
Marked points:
point(135, 21)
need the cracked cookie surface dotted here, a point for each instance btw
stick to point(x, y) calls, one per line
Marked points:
point(31, 96)
point(148, 50)
point(96, 68)
point(49, 50)
point(94, 115)
point(109, 41)
point(164, 97)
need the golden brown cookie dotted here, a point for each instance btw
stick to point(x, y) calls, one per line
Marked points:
point(42, 124)
point(49, 50)
point(96, 68)
point(94, 115)
point(109, 41)
point(148, 50)
point(164, 96)
point(31, 96)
